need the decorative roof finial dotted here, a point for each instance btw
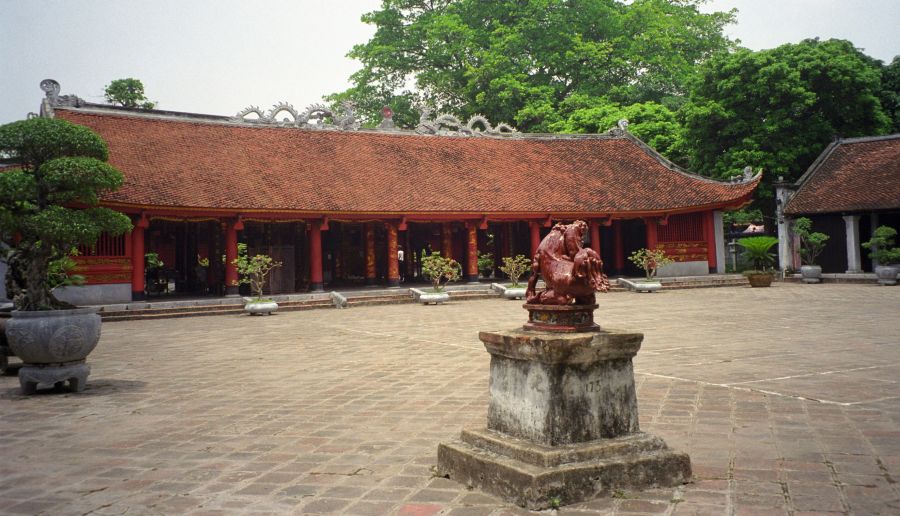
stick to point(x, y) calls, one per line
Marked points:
point(623, 124)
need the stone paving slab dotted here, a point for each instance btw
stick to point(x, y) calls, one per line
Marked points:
point(786, 398)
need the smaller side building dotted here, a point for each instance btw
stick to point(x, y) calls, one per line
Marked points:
point(850, 189)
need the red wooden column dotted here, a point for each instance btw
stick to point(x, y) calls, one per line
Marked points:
point(231, 252)
point(472, 252)
point(595, 236)
point(316, 284)
point(709, 229)
point(393, 272)
point(652, 240)
point(618, 247)
point(534, 229)
point(137, 259)
point(446, 240)
point(370, 254)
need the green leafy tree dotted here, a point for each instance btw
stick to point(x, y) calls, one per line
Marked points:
point(882, 246)
point(890, 93)
point(756, 249)
point(129, 93)
point(439, 269)
point(254, 270)
point(60, 165)
point(812, 243)
point(515, 267)
point(777, 109)
point(518, 60)
point(650, 260)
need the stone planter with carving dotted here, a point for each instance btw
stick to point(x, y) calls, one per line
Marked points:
point(647, 286)
point(811, 273)
point(53, 346)
point(761, 279)
point(887, 274)
point(434, 298)
point(514, 293)
point(264, 307)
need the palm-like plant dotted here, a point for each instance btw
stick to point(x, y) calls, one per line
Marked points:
point(756, 249)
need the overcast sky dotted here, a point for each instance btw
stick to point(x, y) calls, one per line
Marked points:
point(219, 56)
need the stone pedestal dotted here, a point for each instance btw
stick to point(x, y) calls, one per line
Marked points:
point(562, 422)
point(30, 376)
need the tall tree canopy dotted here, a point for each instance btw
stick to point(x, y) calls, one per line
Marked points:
point(520, 60)
point(778, 109)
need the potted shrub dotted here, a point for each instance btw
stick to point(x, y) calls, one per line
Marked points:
point(515, 267)
point(486, 264)
point(60, 165)
point(756, 250)
point(439, 270)
point(811, 245)
point(650, 260)
point(253, 271)
point(882, 248)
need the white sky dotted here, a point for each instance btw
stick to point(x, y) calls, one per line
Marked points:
point(219, 56)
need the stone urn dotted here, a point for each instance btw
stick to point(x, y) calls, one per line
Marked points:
point(811, 273)
point(260, 307)
point(433, 298)
point(760, 279)
point(887, 274)
point(53, 346)
point(647, 286)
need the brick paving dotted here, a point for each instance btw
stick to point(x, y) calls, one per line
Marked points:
point(786, 398)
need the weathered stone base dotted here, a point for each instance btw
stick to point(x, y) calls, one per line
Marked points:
point(31, 375)
point(531, 475)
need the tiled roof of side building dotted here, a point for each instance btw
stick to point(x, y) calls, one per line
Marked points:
point(853, 175)
point(196, 164)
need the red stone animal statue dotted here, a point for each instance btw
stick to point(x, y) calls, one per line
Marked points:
point(573, 274)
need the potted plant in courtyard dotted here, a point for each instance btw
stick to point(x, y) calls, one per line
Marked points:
point(811, 245)
point(253, 271)
point(650, 260)
point(485, 264)
point(515, 267)
point(439, 270)
point(756, 249)
point(60, 166)
point(883, 249)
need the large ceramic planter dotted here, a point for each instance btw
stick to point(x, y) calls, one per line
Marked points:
point(434, 298)
point(53, 345)
point(761, 279)
point(811, 273)
point(254, 307)
point(647, 286)
point(887, 274)
point(514, 293)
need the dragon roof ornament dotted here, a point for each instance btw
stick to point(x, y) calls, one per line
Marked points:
point(445, 124)
point(53, 99)
point(315, 116)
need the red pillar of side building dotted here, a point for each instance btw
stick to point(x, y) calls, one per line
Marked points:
point(231, 252)
point(393, 272)
point(316, 284)
point(618, 247)
point(534, 229)
point(137, 259)
point(371, 273)
point(652, 240)
point(709, 229)
point(446, 240)
point(472, 252)
point(595, 236)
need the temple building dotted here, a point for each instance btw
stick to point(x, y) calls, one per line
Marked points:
point(849, 190)
point(335, 203)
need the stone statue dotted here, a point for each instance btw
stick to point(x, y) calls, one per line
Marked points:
point(573, 274)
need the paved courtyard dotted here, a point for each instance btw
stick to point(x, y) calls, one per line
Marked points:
point(787, 399)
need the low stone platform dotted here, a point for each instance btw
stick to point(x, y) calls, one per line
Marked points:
point(562, 423)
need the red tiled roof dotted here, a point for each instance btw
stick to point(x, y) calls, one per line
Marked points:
point(189, 163)
point(860, 174)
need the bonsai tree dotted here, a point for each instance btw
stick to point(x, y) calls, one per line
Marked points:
point(254, 270)
point(756, 249)
point(439, 269)
point(811, 243)
point(650, 260)
point(515, 267)
point(882, 246)
point(485, 264)
point(60, 166)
